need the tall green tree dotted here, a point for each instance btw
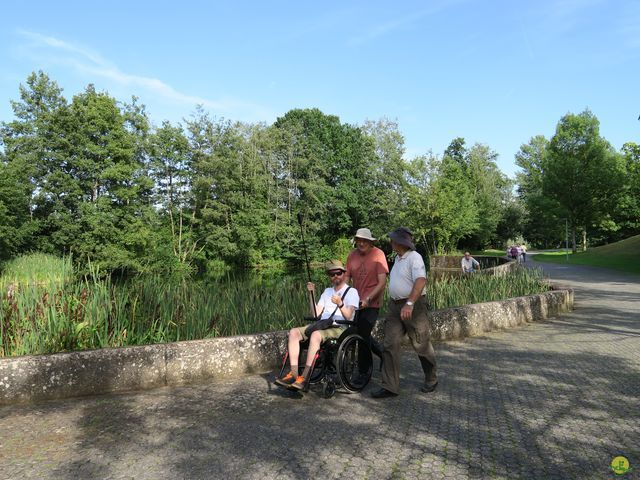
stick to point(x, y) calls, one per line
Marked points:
point(389, 174)
point(489, 186)
point(440, 204)
point(582, 173)
point(229, 186)
point(627, 213)
point(327, 173)
point(491, 192)
point(544, 224)
point(33, 142)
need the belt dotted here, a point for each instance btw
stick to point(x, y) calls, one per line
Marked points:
point(398, 301)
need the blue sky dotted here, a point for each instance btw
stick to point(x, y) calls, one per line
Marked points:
point(494, 72)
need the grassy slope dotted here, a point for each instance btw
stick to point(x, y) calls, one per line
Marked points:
point(623, 255)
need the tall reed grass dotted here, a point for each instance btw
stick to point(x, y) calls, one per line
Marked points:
point(450, 292)
point(62, 314)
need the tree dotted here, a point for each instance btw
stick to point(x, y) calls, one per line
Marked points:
point(389, 173)
point(490, 188)
point(627, 213)
point(16, 226)
point(83, 162)
point(491, 191)
point(326, 173)
point(582, 172)
point(543, 224)
point(440, 205)
point(32, 143)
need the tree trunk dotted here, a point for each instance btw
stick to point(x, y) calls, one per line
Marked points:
point(584, 239)
point(574, 247)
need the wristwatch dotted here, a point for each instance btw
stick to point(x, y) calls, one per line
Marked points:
point(410, 303)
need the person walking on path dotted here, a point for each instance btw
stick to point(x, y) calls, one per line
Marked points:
point(337, 302)
point(469, 264)
point(367, 269)
point(406, 314)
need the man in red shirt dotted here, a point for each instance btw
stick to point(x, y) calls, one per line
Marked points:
point(367, 269)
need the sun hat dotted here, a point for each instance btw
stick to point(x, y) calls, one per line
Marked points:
point(334, 265)
point(365, 234)
point(403, 236)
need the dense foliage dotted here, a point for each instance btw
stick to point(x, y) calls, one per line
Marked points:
point(92, 177)
point(577, 184)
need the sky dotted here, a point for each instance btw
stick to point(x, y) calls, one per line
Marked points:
point(492, 72)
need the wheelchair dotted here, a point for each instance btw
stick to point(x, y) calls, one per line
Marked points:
point(338, 363)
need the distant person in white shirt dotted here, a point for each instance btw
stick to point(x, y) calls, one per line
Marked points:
point(469, 264)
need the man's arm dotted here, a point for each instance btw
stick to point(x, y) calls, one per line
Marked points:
point(318, 308)
point(416, 291)
point(348, 304)
point(377, 290)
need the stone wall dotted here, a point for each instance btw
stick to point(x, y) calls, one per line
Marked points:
point(449, 265)
point(46, 377)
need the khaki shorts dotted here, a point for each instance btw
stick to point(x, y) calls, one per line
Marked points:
point(326, 334)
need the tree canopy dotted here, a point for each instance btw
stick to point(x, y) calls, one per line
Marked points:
point(93, 177)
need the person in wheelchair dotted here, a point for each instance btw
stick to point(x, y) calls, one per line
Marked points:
point(337, 303)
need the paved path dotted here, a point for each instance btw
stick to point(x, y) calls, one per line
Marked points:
point(557, 399)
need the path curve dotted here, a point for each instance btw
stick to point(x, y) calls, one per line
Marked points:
point(557, 399)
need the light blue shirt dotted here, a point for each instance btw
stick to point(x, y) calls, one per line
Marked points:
point(406, 270)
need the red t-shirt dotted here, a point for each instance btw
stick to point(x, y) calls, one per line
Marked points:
point(364, 271)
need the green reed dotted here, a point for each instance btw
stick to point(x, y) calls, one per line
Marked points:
point(450, 292)
point(98, 312)
point(95, 312)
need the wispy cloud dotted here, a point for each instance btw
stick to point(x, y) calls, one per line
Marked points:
point(405, 21)
point(88, 62)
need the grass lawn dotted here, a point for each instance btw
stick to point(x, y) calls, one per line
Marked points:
point(622, 255)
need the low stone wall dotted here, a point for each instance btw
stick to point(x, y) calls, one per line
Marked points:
point(449, 265)
point(46, 377)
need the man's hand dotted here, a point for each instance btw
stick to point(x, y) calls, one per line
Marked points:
point(406, 312)
point(311, 286)
point(337, 299)
point(364, 303)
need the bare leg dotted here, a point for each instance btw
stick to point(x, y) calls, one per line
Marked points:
point(294, 347)
point(314, 346)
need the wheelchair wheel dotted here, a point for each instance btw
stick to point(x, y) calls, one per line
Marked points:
point(354, 363)
point(329, 388)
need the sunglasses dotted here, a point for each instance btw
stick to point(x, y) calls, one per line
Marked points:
point(335, 274)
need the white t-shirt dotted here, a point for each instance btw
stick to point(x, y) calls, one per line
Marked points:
point(406, 270)
point(351, 299)
point(468, 264)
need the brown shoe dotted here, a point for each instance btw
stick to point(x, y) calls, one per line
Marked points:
point(383, 393)
point(429, 388)
point(286, 381)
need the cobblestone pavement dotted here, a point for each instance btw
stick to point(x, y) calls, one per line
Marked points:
point(558, 399)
